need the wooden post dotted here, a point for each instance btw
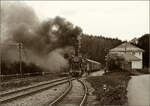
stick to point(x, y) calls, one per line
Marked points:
point(0, 63)
point(0, 54)
point(20, 58)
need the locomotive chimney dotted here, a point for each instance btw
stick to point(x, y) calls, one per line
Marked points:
point(77, 45)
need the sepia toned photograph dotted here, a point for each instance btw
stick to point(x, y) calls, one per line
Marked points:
point(74, 53)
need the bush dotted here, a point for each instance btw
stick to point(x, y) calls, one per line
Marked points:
point(145, 71)
point(115, 62)
point(13, 68)
point(115, 93)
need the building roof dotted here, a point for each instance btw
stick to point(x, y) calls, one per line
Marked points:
point(126, 47)
point(129, 57)
point(93, 61)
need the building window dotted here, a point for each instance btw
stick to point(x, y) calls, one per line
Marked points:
point(133, 53)
point(139, 53)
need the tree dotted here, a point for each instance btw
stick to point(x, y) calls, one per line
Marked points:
point(143, 43)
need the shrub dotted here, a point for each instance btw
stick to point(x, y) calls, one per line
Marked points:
point(13, 68)
point(115, 62)
point(145, 71)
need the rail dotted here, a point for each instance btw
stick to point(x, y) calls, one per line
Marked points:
point(8, 96)
point(57, 100)
point(62, 95)
point(85, 93)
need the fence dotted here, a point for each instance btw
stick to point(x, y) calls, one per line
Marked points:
point(19, 76)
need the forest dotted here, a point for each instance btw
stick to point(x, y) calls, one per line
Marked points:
point(143, 43)
point(96, 47)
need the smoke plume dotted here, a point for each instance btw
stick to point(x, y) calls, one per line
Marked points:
point(44, 43)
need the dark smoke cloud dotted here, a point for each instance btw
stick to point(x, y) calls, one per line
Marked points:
point(45, 42)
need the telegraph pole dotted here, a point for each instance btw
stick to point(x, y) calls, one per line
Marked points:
point(126, 47)
point(20, 46)
point(0, 48)
point(106, 59)
point(0, 61)
point(20, 58)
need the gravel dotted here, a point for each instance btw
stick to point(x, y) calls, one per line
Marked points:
point(91, 98)
point(39, 99)
point(75, 95)
point(24, 82)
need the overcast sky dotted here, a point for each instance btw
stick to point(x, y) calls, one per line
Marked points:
point(117, 19)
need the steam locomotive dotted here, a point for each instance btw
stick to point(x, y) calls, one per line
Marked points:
point(79, 66)
point(75, 66)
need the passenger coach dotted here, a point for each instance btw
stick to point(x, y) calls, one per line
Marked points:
point(93, 66)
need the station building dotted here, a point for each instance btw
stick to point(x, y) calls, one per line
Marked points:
point(132, 54)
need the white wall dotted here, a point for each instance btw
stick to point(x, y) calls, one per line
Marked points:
point(138, 54)
point(137, 65)
point(117, 52)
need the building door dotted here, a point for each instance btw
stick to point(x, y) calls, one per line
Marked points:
point(129, 65)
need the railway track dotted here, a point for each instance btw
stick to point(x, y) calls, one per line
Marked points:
point(59, 99)
point(12, 95)
point(85, 93)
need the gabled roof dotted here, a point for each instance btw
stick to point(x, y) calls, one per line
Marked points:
point(93, 61)
point(126, 47)
point(129, 57)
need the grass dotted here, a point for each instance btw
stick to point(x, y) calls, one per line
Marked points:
point(116, 84)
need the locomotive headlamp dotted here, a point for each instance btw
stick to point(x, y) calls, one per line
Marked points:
point(104, 87)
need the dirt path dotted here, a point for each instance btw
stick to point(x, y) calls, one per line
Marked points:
point(138, 90)
point(98, 73)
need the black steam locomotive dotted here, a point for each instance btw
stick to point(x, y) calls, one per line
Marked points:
point(75, 67)
point(79, 66)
